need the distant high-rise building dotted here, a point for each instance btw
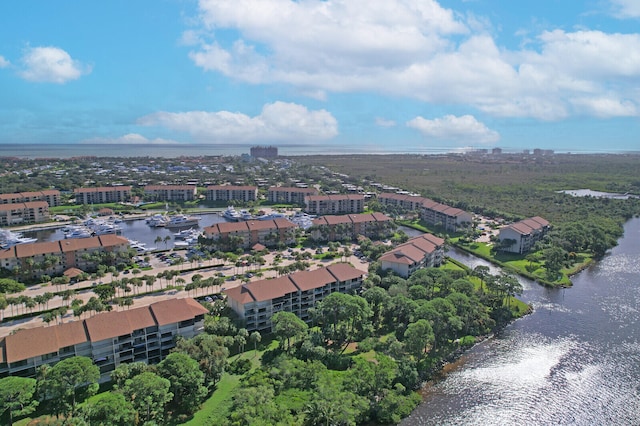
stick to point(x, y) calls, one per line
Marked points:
point(264, 151)
point(496, 151)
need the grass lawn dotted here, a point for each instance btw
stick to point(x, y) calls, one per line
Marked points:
point(217, 407)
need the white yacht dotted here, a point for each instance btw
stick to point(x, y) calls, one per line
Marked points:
point(181, 220)
point(10, 239)
point(245, 215)
point(157, 220)
point(271, 216)
point(140, 247)
point(231, 214)
point(79, 232)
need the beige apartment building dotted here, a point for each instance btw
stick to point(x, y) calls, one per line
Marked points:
point(51, 196)
point(334, 204)
point(341, 227)
point(244, 194)
point(101, 195)
point(256, 302)
point(523, 234)
point(58, 256)
point(170, 192)
point(23, 213)
point(289, 195)
point(425, 251)
point(145, 334)
point(231, 235)
point(432, 212)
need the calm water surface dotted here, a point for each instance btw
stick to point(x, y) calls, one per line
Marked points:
point(574, 361)
point(137, 230)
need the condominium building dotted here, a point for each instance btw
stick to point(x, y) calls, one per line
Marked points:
point(289, 195)
point(231, 235)
point(145, 334)
point(521, 236)
point(241, 193)
point(420, 252)
point(21, 213)
point(51, 196)
point(432, 212)
point(54, 257)
point(334, 204)
point(256, 302)
point(170, 192)
point(100, 195)
point(335, 228)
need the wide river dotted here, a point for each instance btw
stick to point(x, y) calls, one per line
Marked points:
point(574, 361)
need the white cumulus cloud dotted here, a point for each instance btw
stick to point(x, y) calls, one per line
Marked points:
point(464, 129)
point(626, 9)
point(421, 50)
point(130, 138)
point(4, 62)
point(277, 121)
point(51, 65)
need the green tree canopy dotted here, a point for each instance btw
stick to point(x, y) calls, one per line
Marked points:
point(109, 409)
point(286, 326)
point(187, 381)
point(149, 394)
point(71, 380)
point(16, 397)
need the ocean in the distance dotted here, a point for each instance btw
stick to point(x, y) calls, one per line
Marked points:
point(194, 150)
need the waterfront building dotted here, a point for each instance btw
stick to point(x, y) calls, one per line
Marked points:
point(334, 204)
point(244, 194)
point(256, 302)
point(170, 193)
point(23, 213)
point(51, 196)
point(520, 237)
point(231, 235)
point(100, 195)
point(335, 228)
point(425, 251)
point(289, 195)
point(144, 334)
point(60, 255)
point(432, 212)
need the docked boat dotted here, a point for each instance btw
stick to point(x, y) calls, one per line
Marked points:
point(79, 232)
point(231, 214)
point(245, 215)
point(104, 228)
point(271, 216)
point(181, 220)
point(303, 220)
point(10, 239)
point(183, 234)
point(157, 221)
point(140, 247)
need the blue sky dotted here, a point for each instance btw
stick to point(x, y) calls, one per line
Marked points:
point(375, 74)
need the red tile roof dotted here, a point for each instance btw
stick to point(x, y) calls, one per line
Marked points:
point(176, 310)
point(308, 280)
point(34, 342)
point(270, 289)
point(344, 271)
point(283, 223)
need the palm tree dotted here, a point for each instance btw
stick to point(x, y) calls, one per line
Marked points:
point(181, 281)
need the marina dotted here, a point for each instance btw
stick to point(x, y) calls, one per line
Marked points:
point(143, 236)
